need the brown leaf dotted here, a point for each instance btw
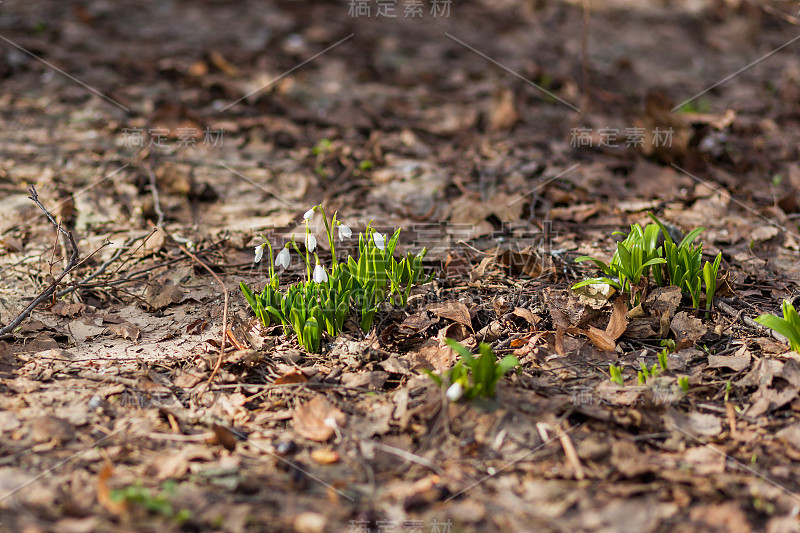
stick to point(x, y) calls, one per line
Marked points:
point(525, 314)
point(126, 330)
point(436, 354)
point(224, 436)
point(455, 311)
point(325, 457)
point(292, 376)
point(600, 339)
point(160, 295)
point(104, 494)
point(317, 419)
point(619, 319)
point(687, 329)
point(63, 308)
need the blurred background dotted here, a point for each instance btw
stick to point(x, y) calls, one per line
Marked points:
point(473, 119)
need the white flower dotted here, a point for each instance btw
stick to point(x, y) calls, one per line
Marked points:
point(320, 276)
point(455, 391)
point(259, 252)
point(344, 232)
point(309, 214)
point(380, 240)
point(283, 258)
point(311, 242)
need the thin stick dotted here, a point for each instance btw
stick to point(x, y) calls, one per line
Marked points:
point(49, 291)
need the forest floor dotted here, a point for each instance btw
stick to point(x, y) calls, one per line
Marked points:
point(506, 137)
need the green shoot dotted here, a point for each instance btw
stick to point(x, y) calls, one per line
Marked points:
point(471, 377)
point(788, 326)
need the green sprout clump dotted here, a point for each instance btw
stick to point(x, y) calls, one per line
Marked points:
point(327, 297)
point(639, 254)
point(472, 377)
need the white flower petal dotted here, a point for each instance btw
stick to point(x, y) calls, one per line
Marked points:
point(454, 391)
point(259, 253)
point(344, 232)
point(283, 258)
point(320, 276)
point(380, 240)
point(309, 214)
point(311, 242)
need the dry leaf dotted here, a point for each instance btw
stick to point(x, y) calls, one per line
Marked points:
point(455, 311)
point(687, 329)
point(223, 435)
point(619, 319)
point(317, 419)
point(325, 457)
point(104, 494)
point(292, 376)
point(436, 354)
point(160, 295)
point(126, 330)
point(601, 339)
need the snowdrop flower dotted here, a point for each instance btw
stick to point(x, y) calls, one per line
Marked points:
point(344, 232)
point(309, 214)
point(311, 242)
point(320, 276)
point(455, 391)
point(379, 240)
point(259, 253)
point(282, 260)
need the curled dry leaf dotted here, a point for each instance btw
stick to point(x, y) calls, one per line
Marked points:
point(317, 419)
point(617, 324)
point(455, 311)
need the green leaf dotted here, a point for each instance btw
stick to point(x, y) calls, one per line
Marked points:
point(593, 281)
point(601, 265)
point(248, 294)
point(782, 326)
point(690, 237)
point(460, 350)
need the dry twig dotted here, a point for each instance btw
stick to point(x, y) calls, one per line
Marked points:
point(49, 291)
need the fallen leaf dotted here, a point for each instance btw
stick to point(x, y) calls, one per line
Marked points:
point(619, 319)
point(525, 314)
point(292, 376)
point(63, 308)
point(51, 428)
point(687, 329)
point(117, 508)
point(455, 311)
point(600, 339)
point(160, 295)
point(224, 436)
point(325, 457)
point(126, 330)
point(435, 354)
point(317, 419)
